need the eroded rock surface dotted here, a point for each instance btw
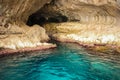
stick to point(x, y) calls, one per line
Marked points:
point(86, 11)
point(24, 37)
point(14, 34)
point(90, 21)
point(85, 33)
point(20, 9)
point(87, 21)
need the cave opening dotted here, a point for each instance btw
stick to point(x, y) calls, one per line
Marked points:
point(38, 18)
point(46, 15)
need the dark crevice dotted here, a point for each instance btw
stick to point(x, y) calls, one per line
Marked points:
point(40, 20)
point(58, 19)
point(53, 2)
point(45, 15)
point(34, 19)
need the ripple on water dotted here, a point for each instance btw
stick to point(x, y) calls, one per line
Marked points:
point(67, 62)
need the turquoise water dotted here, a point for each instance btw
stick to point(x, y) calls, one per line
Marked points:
point(67, 62)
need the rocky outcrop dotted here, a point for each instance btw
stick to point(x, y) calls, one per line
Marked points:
point(84, 33)
point(87, 21)
point(82, 10)
point(23, 37)
point(20, 9)
point(14, 33)
point(90, 21)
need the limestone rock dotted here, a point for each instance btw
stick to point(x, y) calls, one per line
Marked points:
point(87, 11)
point(24, 37)
point(84, 33)
point(20, 9)
point(89, 21)
point(14, 34)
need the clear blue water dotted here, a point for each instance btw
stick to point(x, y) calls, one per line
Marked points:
point(67, 62)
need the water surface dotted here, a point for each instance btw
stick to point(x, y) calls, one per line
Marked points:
point(67, 62)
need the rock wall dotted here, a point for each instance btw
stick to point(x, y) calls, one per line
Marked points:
point(24, 37)
point(90, 21)
point(20, 9)
point(83, 10)
point(92, 15)
point(14, 34)
point(84, 33)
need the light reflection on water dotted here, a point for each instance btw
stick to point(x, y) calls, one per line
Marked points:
point(67, 62)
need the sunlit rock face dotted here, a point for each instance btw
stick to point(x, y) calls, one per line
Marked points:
point(82, 10)
point(87, 21)
point(84, 33)
point(93, 2)
point(90, 21)
point(24, 37)
point(14, 34)
point(20, 9)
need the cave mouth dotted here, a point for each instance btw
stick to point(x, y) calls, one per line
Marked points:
point(39, 19)
point(46, 15)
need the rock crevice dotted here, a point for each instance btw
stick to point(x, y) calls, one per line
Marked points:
point(14, 33)
point(87, 21)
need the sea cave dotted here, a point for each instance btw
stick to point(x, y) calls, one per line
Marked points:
point(59, 40)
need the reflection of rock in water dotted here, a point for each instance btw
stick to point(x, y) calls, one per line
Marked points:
point(109, 54)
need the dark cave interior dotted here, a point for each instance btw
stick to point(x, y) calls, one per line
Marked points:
point(39, 19)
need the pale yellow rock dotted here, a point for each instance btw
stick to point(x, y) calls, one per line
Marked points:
point(74, 31)
point(31, 37)
point(97, 22)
